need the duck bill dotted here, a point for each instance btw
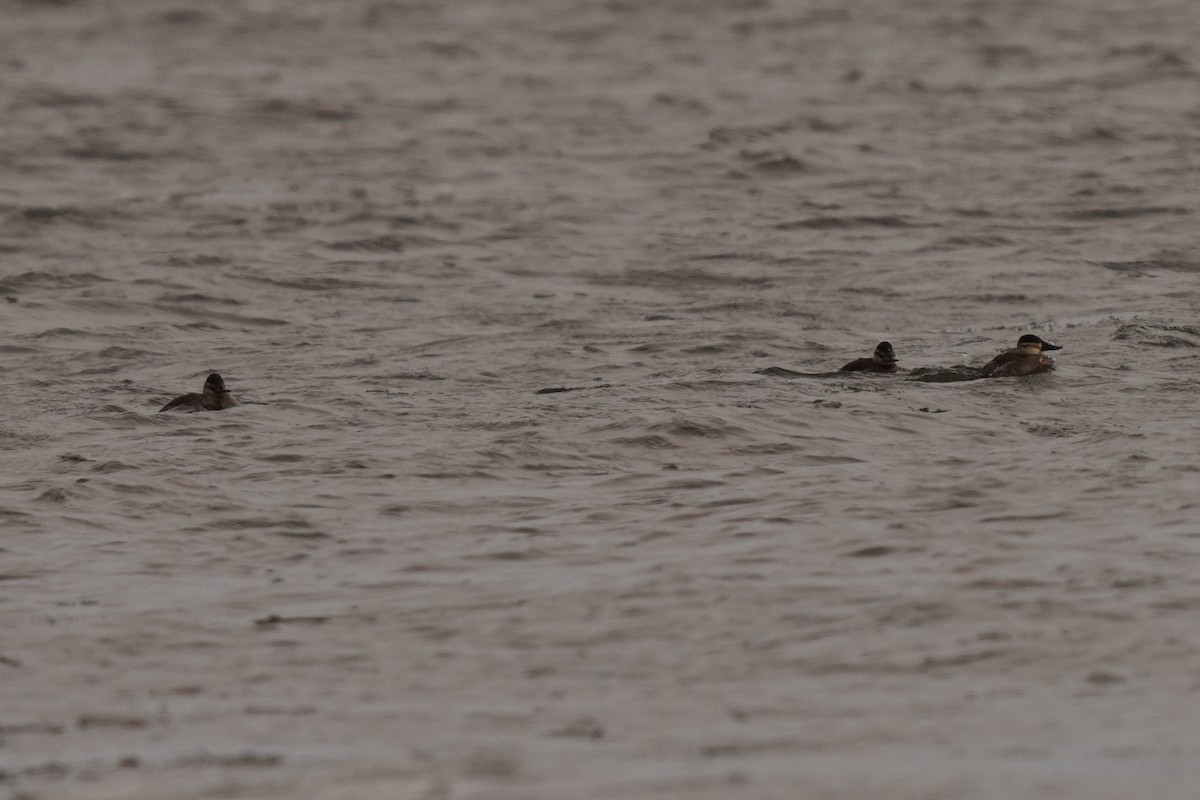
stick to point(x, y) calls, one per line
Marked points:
point(1049, 346)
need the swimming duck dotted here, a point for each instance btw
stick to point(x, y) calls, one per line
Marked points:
point(1025, 359)
point(214, 397)
point(882, 360)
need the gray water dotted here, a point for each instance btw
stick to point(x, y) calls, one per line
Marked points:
point(398, 570)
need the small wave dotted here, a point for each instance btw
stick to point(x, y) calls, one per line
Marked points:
point(101, 150)
point(529, 554)
point(958, 242)
point(282, 458)
point(685, 277)
point(688, 484)
point(682, 426)
point(766, 448)
point(112, 466)
point(1142, 267)
point(260, 523)
point(198, 297)
point(865, 221)
point(649, 441)
point(304, 109)
point(775, 162)
point(55, 496)
point(1159, 335)
point(459, 474)
point(131, 419)
point(115, 352)
point(719, 137)
point(1127, 212)
point(182, 16)
point(562, 389)
point(48, 97)
point(380, 244)
point(317, 284)
point(49, 280)
point(959, 372)
point(680, 102)
point(198, 260)
point(783, 372)
point(414, 376)
point(709, 349)
point(872, 551)
point(825, 461)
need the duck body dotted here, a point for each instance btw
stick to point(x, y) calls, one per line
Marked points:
point(882, 360)
point(214, 397)
point(1027, 358)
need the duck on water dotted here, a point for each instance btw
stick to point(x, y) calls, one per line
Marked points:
point(214, 397)
point(882, 360)
point(1027, 358)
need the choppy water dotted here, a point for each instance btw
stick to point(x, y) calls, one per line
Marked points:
point(401, 568)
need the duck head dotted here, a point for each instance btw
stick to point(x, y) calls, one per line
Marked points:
point(884, 355)
point(1030, 345)
point(215, 384)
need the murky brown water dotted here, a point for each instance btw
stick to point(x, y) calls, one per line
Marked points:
point(398, 571)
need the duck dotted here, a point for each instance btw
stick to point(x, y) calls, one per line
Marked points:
point(214, 397)
point(1027, 358)
point(882, 360)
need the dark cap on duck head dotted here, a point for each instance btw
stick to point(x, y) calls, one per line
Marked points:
point(215, 382)
point(1029, 339)
point(884, 354)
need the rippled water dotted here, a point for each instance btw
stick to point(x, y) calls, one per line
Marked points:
point(543, 482)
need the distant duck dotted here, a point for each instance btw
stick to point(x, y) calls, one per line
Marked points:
point(214, 397)
point(1025, 359)
point(882, 360)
